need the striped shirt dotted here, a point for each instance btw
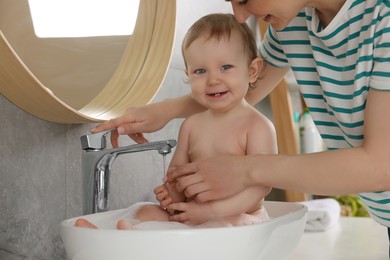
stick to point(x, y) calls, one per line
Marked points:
point(335, 67)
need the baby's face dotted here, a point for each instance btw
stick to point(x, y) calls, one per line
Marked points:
point(218, 71)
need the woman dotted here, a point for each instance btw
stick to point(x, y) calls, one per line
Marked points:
point(339, 53)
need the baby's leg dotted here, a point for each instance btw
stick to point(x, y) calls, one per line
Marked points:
point(215, 223)
point(82, 222)
point(255, 217)
point(146, 213)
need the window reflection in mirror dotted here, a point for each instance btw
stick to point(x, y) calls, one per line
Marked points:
point(84, 79)
point(74, 69)
point(83, 18)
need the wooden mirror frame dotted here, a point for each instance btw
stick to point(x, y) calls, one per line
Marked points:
point(135, 81)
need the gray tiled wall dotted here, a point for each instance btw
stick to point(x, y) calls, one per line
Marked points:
point(40, 177)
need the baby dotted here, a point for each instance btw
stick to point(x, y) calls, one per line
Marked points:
point(221, 62)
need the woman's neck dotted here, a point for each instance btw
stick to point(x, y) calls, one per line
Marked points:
point(327, 10)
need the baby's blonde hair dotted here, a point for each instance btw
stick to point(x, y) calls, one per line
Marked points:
point(218, 26)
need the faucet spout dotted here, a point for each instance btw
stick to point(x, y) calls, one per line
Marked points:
point(96, 166)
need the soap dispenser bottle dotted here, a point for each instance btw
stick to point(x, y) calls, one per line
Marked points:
point(310, 139)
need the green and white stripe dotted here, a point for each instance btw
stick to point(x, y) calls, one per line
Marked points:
point(335, 68)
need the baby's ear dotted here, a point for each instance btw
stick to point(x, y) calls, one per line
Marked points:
point(255, 69)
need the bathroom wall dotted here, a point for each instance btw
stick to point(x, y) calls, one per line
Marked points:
point(40, 164)
point(40, 177)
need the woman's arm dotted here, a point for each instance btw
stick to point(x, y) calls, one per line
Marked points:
point(352, 170)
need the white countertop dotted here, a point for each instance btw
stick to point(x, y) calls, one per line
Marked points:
point(352, 238)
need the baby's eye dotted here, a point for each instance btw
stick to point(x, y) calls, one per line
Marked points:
point(226, 67)
point(199, 71)
point(241, 2)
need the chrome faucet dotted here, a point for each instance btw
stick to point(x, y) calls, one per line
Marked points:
point(96, 167)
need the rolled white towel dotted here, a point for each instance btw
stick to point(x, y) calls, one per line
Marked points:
point(322, 214)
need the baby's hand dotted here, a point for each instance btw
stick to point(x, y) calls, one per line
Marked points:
point(162, 195)
point(190, 213)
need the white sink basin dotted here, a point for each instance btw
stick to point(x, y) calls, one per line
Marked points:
point(274, 239)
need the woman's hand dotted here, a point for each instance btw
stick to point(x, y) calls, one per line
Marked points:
point(135, 121)
point(212, 179)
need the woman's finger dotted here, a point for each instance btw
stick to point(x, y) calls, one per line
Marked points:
point(196, 189)
point(138, 138)
point(181, 171)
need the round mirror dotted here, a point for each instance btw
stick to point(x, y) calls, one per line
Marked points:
point(91, 79)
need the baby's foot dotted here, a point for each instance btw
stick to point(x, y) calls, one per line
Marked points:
point(123, 225)
point(81, 222)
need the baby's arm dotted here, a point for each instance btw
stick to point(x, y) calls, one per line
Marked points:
point(167, 193)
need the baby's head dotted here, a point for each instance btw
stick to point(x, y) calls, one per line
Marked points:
point(218, 26)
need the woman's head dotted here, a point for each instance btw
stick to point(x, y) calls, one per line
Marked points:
point(218, 26)
point(279, 13)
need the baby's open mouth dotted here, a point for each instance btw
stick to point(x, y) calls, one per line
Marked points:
point(217, 94)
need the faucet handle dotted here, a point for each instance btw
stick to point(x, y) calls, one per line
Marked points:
point(96, 141)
